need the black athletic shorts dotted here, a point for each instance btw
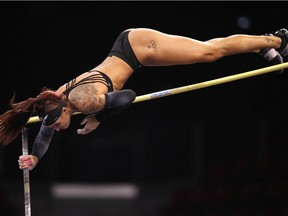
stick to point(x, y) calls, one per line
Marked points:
point(122, 49)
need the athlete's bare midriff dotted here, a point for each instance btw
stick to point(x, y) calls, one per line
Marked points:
point(117, 70)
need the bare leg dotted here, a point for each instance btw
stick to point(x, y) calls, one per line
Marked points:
point(154, 48)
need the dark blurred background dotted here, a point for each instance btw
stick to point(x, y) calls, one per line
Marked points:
point(215, 151)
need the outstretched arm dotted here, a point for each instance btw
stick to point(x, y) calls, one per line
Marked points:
point(40, 146)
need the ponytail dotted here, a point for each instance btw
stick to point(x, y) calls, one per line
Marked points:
point(14, 120)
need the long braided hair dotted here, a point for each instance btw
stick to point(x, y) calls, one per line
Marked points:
point(15, 119)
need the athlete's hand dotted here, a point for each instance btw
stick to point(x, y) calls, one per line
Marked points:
point(27, 162)
point(90, 123)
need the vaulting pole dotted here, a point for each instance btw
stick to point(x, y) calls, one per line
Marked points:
point(26, 178)
point(200, 85)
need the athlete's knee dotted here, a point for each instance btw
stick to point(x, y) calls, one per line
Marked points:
point(210, 52)
point(212, 55)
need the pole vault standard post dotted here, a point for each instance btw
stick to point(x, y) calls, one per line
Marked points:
point(26, 177)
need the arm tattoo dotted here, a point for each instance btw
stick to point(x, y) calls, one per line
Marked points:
point(86, 98)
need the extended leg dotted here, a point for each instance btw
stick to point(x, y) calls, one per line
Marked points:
point(154, 48)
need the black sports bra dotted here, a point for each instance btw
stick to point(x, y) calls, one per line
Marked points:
point(101, 77)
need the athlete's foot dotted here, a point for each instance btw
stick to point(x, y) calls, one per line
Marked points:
point(283, 34)
point(272, 56)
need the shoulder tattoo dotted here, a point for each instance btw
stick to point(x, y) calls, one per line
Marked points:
point(86, 99)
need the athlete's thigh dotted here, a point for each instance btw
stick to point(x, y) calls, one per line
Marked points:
point(155, 48)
